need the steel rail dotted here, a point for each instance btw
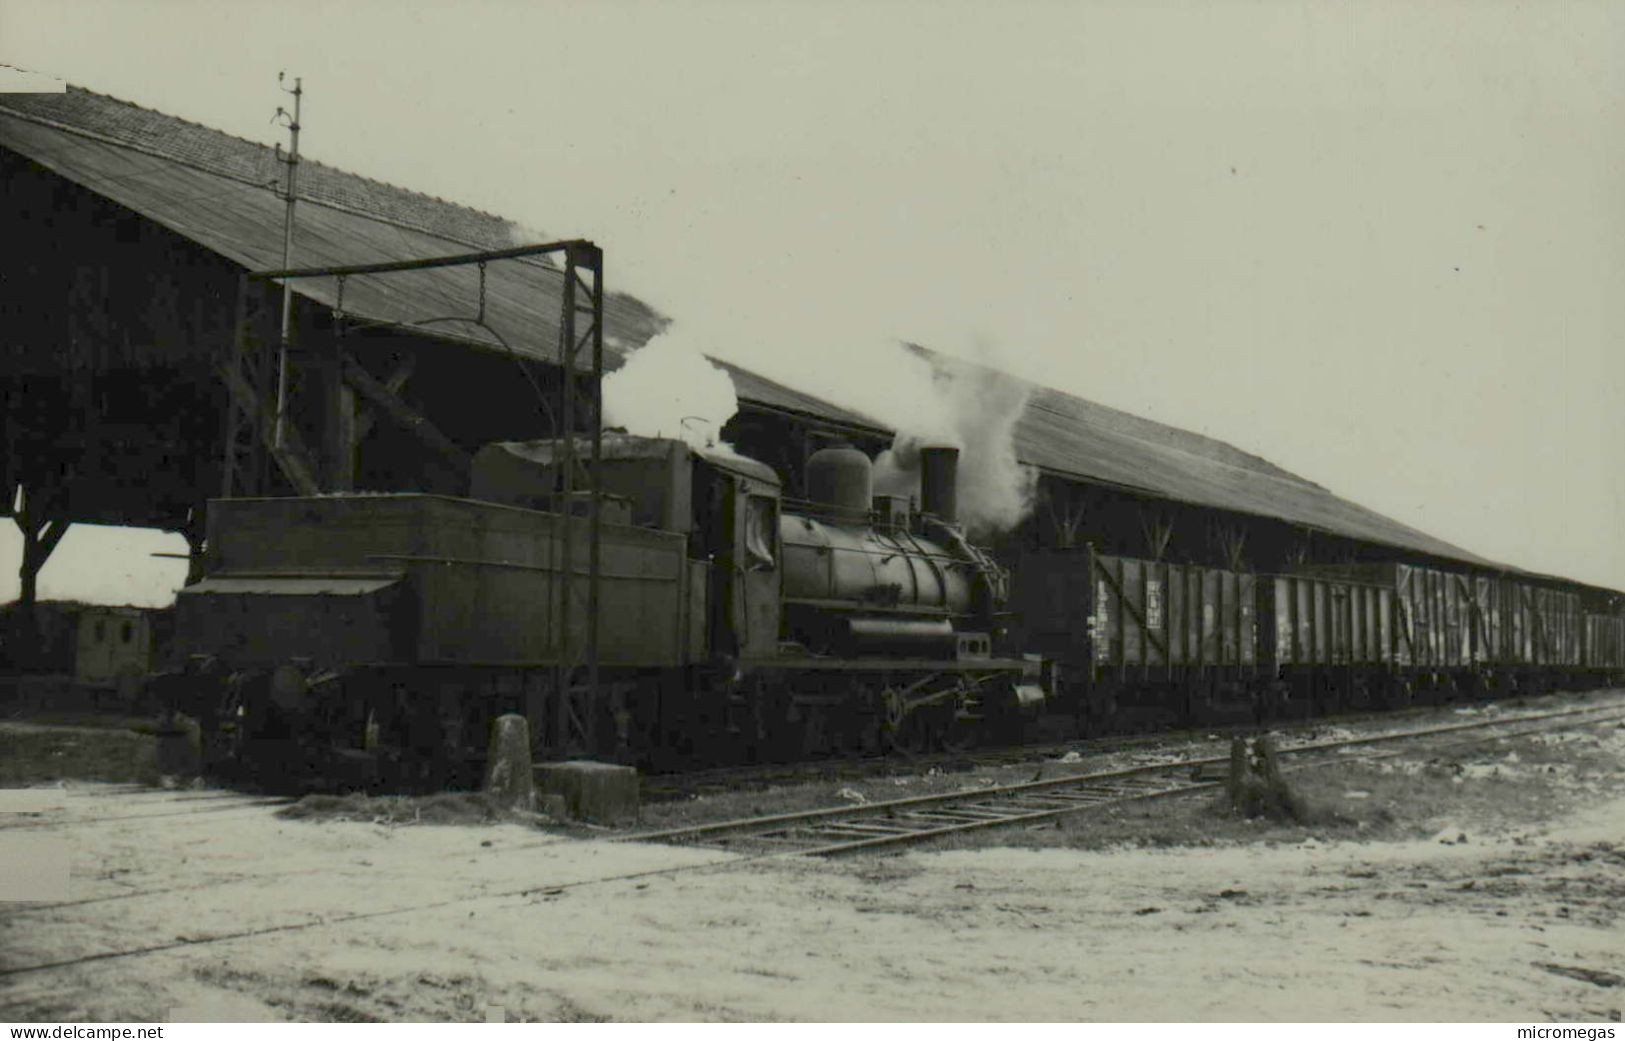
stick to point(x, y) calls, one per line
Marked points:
point(528, 892)
point(1083, 791)
point(901, 836)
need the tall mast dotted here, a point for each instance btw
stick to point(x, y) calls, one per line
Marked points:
point(292, 195)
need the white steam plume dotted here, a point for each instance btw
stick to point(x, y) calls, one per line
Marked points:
point(972, 408)
point(522, 234)
point(669, 388)
point(802, 342)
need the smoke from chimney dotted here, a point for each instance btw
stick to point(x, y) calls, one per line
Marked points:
point(972, 408)
point(928, 399)
point(669, 388)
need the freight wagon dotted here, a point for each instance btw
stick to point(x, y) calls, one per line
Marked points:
point(1604, 647)
point(1327, 642)
point(1139, 644)
point(1474, 635)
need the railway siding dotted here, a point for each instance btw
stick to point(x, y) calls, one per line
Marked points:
point(871, 826)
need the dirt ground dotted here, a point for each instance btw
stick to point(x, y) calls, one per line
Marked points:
point(1480, 883)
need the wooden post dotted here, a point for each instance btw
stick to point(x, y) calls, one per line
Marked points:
point(1237, 776)
point(40, 536)
point(342, 427)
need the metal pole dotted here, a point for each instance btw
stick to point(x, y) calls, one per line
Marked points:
point(287, 258)
point(424, 263)
point(594, 481)
point(570, 726)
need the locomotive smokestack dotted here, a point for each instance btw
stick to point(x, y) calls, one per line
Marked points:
point(939, 482)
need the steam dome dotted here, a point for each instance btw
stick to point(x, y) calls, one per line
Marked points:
point(842, 478)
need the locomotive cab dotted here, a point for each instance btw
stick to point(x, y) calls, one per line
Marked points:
point(725, 505)
point(736, 527)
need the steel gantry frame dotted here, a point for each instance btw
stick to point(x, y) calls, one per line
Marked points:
point(254, 439)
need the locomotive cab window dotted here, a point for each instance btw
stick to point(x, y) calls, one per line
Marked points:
point(761, 525)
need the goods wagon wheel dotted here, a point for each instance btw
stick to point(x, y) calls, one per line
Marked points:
point(1096, 712)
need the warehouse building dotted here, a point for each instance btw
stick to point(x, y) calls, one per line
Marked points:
point(129, 231)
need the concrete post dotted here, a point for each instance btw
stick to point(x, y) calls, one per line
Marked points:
point(508, 778)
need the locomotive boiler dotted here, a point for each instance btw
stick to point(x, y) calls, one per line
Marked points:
point(866, 576)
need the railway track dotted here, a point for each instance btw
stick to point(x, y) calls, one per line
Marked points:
point(678, 785)
point(898, 822)
point(957, 812)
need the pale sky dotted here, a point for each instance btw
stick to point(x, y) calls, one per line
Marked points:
point(1380, 244)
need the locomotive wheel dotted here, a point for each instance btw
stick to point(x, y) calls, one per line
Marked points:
point(905, 733)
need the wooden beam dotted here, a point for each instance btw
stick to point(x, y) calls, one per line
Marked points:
point(396, 408)
point(340, 433)
point(290, 455)
point(50, 534)
point(394, 383)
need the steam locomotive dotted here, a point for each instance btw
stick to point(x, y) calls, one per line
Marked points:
point(383, 632)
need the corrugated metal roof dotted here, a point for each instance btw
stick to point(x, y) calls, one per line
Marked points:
point(1068, 435)
point(219, 191)
point(91, 115)
point(760, 390)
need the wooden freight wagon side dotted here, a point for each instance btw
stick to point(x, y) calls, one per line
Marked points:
point(1329, 641)
point(1524, 636)
point(1150, 617)
point(1433, 627)
point(1473, 634)
point(1140, 643)
point(1604, 649)
point(1557, 629)
point(1434, 632)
